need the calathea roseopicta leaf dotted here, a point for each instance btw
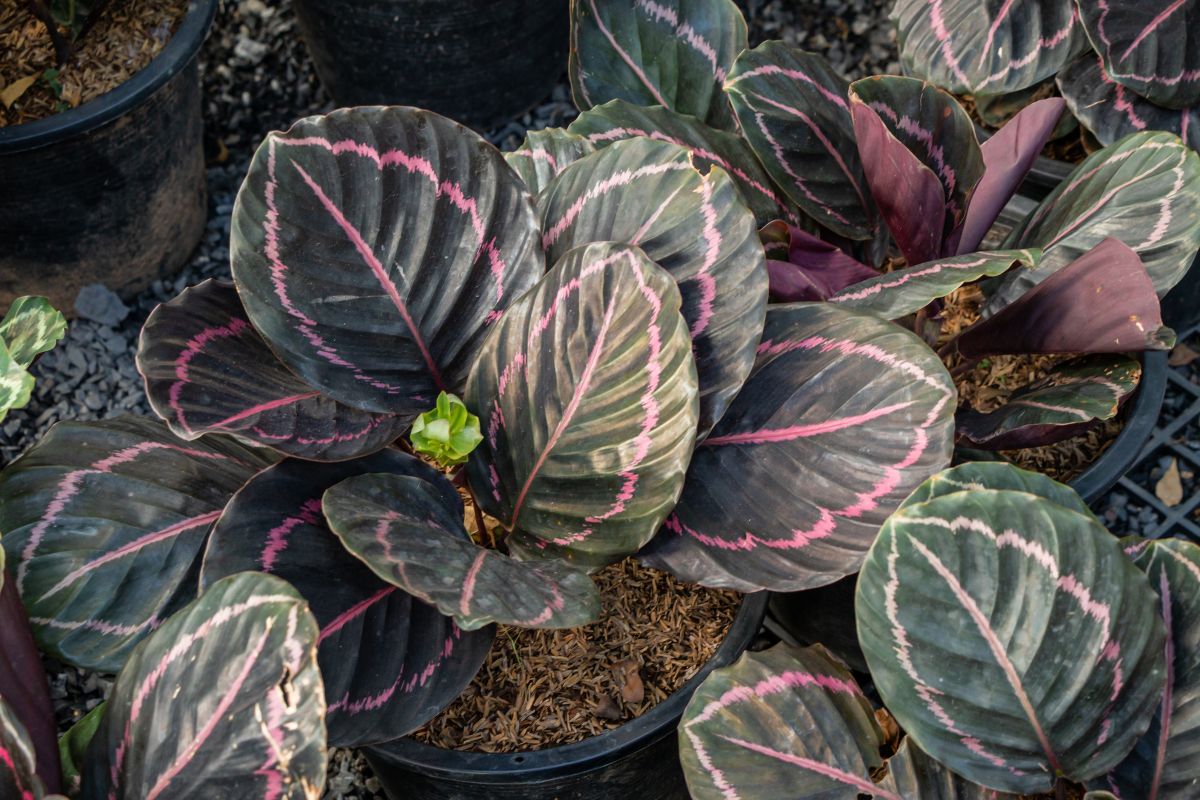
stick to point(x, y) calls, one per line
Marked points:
point(1163, 764)
point(932, 126)
point(904, 291)
point(207, 370)
point(1111, 111)
point(31, 327)
point(1072, 398)
point(232, 677)
point(1143, 190)
point(694, 226)
point(546, 153)
point(913, 775)
point(73, 746)
point(795, 115)
point(783, 717)
point(801, 266)
point(389, 662)
point(979, 475)
point(600, 350)
point(23, 684)
point(402, 529)
point(16, 383)
point(971, 47)
point(1008, 155)
point(1151, 46)
point(18, 777)
point(104, 523)
point(371, 248)
point(963, 591)
point(1103, 302)
point(670, 53)
point(618, 120)
point(844, 415)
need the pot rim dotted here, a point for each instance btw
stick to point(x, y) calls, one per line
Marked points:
point(177, 54)
point(578, 757)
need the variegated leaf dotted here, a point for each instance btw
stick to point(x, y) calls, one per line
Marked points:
point(844, 415)
point(373, 246)
point(989, 47)
point(1151, 46)
point(1071, 399)
point(1112, 111)
point(671, 53)
point(694, 226)
point(104, 523)
point(795, 115)
point(979, 475)
point(600, 351)
point(403, 530)
point(223, 700)
point(1143, 190)
point(389, 662)
point(915, 776)
point(546, 153)
point(964, 604)
point(16, 383)
point(618, 120)
point(932, 126)
point(31, 327)
point(904, 291)
point(1103, 302)
point(784, 717)
point(18, 776)
point(1163, 764)
point(207, 370)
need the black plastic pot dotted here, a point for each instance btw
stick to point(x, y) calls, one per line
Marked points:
point(110, 192)
point(481, 62)
point(638, 760)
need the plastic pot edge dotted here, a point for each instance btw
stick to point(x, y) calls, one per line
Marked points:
point(177, 54)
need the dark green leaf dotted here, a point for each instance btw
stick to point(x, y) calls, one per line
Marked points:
point(546, 153)
point(915, 776)
point(18, 778)
point(72, 748)
point(587, 392)
point(1151, 46)
point(978, 475)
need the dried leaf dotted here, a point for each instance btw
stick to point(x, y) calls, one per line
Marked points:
point(607, 709)
point(12, 93)
point(629, 681)
point(1169, 488)
point(1182, 355)
point(891, 730)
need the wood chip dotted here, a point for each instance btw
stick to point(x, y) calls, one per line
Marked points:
point(607, 709)
point(629, 681)
point(1169, 488)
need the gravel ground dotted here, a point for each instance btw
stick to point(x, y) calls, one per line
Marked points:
point(257, 78)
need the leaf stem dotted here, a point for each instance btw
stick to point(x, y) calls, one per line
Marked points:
point(962, 369)
point(479, 523)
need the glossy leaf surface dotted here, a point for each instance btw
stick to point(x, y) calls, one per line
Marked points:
point(389, 662)
point(671, 53)
point(801, 266)
point(795, 115)
point(1073, 397)
point(207, 370)
point(844, 415)
point(104, 523)
point(18, 776)
point(962, 605)
point(694, 226)
point(979, 475)
point(546, 153)
point(372, 247)
point(782, 717)
point(402, 529)
point(915, 776)
point(233, 677)
point(588, 397)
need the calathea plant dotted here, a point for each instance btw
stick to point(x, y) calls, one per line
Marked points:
point(1014, 640)
point(384, 258)
point(30, 327)
point(846, 168)
point(1122, 65)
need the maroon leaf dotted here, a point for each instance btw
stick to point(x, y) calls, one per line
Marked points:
point(843, 416)
point(1007, 156)
point(907, 192)
point(208, 371)
point(389, 662)
point(373, 246)
point(1103, 302)
point(803, 267)
point(401, 528)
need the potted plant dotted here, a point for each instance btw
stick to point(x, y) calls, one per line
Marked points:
point(111, 190)
point(1017, 647)
point(460, 59)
